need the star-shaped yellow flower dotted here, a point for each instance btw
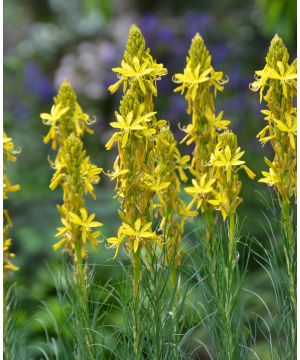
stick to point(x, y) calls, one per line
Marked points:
point(227, 160)
point(51, 119)
point(199, 190)
point(86, 223)
point(127, 124)
point(138, 233)
point(290, 126)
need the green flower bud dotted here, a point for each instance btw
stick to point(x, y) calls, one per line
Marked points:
point(198, 53)
point(277, 52)
point(228, 138)
point(136, 45)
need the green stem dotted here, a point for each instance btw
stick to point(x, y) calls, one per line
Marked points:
point(290, 257)
point(136, 317)
point(229, 295)
point(82, 288)
point(209, 224)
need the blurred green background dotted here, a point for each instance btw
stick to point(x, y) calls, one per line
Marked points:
point(48, 41)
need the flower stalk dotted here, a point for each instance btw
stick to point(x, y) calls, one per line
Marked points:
point(277, 84)
point(135, 171)
point(76, 175)
point(215, 164)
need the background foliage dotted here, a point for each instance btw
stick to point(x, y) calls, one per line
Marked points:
point(51, 40)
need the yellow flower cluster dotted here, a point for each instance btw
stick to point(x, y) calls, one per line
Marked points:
point(9, 153)
point(226, 162)
point(277, 83)
point(73, 172)
point(138, 178)
point(216, 157)
point(170, 208)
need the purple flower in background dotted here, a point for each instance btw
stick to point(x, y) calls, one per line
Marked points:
point(36, 82)
point(176, 109)
point(237, 79)
point(149, 23)
point(197, 22)
point(219, 53)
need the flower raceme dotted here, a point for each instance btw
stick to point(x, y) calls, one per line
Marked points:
point(74, 173)
point(138, 176)
point(66, 116)
point(226, 162)
point(277, 84)
point(197, 82)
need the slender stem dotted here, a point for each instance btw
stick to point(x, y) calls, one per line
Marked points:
point(229, 295)
point(136, 315)
point(209, 224)
point(82, 288)
point(290, 257)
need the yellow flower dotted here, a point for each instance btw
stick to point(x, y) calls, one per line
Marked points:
point(136, 72)
point(191, 79)
point(127, 124)
point(51, 119)
point(270, 178)
point(222, 203)
point(116, 241)
point(290, 127)
point(249, 172)
point(217, 121)
point(285, 76)
point(86, 223)
point(63, 231)
point(138, 233)
point(153, 182)
point(82, 121)
point(9, 148)
point(227, 159)
point(89, 173)
point(199, 190)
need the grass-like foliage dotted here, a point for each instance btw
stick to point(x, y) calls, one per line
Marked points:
point(14, 338)
point(219, 284)
point(278, 325)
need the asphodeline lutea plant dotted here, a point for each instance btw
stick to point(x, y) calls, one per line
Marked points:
point(215, 186)
point(277, 84)
point(137, 174)
point(9, 152)
point(74, 173)
point(200, 83)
